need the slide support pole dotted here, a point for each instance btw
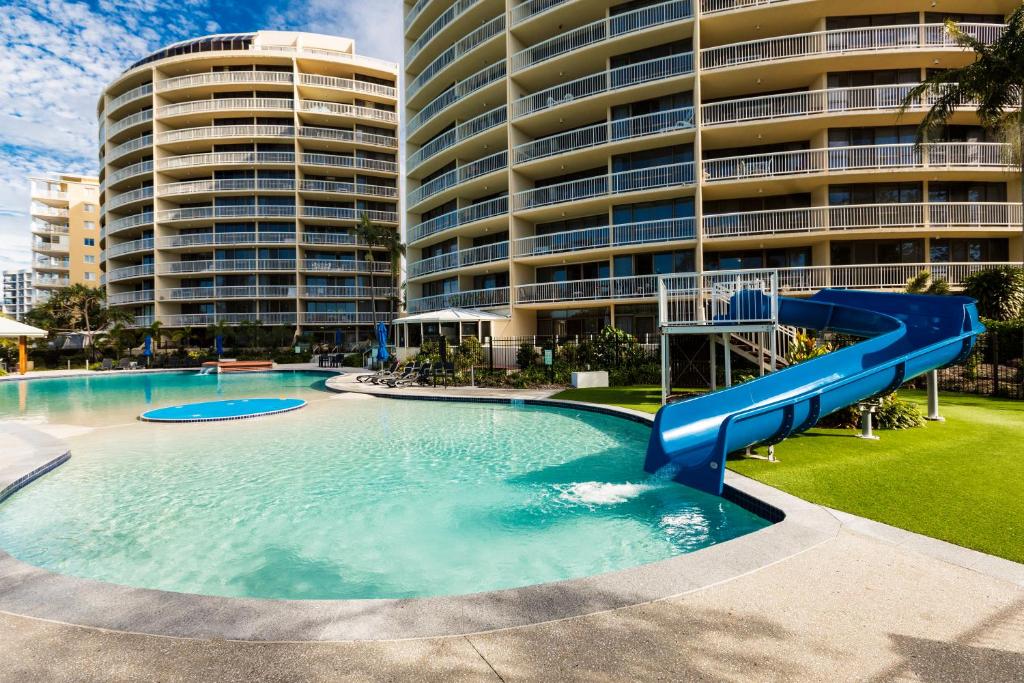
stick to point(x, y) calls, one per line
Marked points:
point(714, 362)
point(933, 397)
point(728, 359)
point(666, 368)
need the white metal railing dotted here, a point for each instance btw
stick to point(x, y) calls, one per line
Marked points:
point(714, 6)
point(350, 84)
point(335, 187)
point(603, 29)
point(874, 39)
point(414, 13)
point(458, 176)
point(457, 9)
point(129, 172)
point(130, 96)
point(49, 228)
point(603, 133)
point(318, 238)
point(202, 319)
point(127, 272)
point(323, 52)
point(226, 104)
point(827, 101)
point(346, 214)
point(51, 281)
point(222, 77)
point(874, 276)
point(323, 265)
point(462, 89)
point(463, 216)
point(227, 292)
point(127, 122)
point(632, 287)
point(48, 194)
point(317, 133)
point(129, 247)
point(332, 317)
point(531, 8)
point(936, 155)
point(475, 298)
point(43, 210)
point(217, 132)
point(119, 200)
point(225, 159)
point(461, 48)
point(646, 232)
point(128, 222)
point(340, 160)
point(606, 185)
point(132, 145)
point(46, 245)
point(226, 265)
point(350, 110)
point(225, 239)
point(459, 259)
point(193, 213)
point(346, 292)
point(697, 299)
point(139, 297)
point(227, 185)
point(604, 81)
point(463, 131)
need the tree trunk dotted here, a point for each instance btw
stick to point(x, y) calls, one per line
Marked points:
point(1020, 159)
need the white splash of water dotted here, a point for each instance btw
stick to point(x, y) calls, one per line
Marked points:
point(602, 493)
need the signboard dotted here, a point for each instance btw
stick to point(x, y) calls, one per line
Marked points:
point(549, 357)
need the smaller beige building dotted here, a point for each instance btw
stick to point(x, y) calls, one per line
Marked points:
point(65, 219)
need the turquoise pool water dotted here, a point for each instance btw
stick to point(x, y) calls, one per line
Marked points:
point(347, 498)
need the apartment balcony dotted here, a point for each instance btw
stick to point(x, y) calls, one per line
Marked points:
point(343, 188)
point(133, 95)
point(716, 6)
point(464, 216)
point(225, 266)
point(979, 156)
point(659, 123)
point(603, 30)
point(124, 248)
point(625, 182)
point(416, 13)
point(203, 80)
point(47, 246)
point(124, 198)
point(883, 276)
point(222, 132)
point(328, 292)
point(344, 266)
point(647, 232)
point(348, 85)
point(134, 145)
point(623, 288)
point(329, 239)
point(204, 319)
point(348, 110)
point(660, 69)
point(44, 228)
point(44, 281)
point(144, 296)
point(525, 11)
point(459, 259)
point(128, 172)
point(49, 263)
point(189, 161)
point(48, 211)
point(879, 217)
point(205, 213)
point(56, 196)
point(879, 39)
point(342, 318)
point(332, 135)
point(342, 161)
point(446, 19)
point(205, 293)
point(129, 272)
point(210, 106)
point(224, 239)
point(475, 298)
point(128, 223)
point(458, 176)
point(458, 51)
point(342, 214)
point(136, 119)
point(464, 131)
point(458, 92)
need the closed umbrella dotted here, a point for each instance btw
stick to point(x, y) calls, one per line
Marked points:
point(220, 345)
point(382, 342)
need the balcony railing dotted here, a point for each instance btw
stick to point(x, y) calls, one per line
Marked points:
point(458, 176)
point(601, 30)
point(225, 239)
point(129, 121)
point(218, 132)
point(531, 8)
point(715, 6)
point(463, 131)
point(225, 159)
point(276, 185)
point(463, 216)
point(141, 168)
point(460, 49)
point(41, 210)
point(144, 296)
point(875, 39)
point(349, 84)
point(132, 247)
point(342, 161)
point(350, 110)
point(133, 145)
point(336, 238)
point(44, 245)
point(475, 298)
point(459, 259)
point(459, 91)
point(606, 185)
point(634, 287)
point(342, 317)
point(345, 266)
point(647, 232)
point(226, 104)
point(606, 81)
point(128, 222)
point(127, 272)
point(863, 217)
point(334, 187)
point(603, 133)
point(223, 77)
point(456, 10)
point(138, 93)
point(41, 281)
point(939, 155)
point(253, 292)
point(332, 292)
point(202, 319)
point(119, 200)
point(49, 228)
point(882, 276)
point(335, 135)
point(212, 212)
point(344, 214)
point(225, 265)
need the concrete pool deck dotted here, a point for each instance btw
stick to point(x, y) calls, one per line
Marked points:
point(823, 595)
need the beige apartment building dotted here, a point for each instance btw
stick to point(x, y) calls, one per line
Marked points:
point(65, 219)
point(234, 171)
point(562, 154)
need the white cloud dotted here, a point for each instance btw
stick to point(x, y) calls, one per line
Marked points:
point(376, 25)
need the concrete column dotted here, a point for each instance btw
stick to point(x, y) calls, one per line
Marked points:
point(22, 355)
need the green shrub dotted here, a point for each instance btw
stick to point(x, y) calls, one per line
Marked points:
point(430, 352)
point(526, 356)
point(893, 413)
point(805, 347)
point(352, 360)
point(469, 354)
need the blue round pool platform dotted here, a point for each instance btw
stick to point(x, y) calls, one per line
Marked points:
point(213, 411)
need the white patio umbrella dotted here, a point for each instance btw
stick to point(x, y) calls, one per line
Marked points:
point(12, 329)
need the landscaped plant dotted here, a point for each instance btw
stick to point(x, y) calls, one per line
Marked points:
point(805, 347)
point(924, 283)
point(526, 356)
point(999, 292)
point(893, 413)
point(78, 308)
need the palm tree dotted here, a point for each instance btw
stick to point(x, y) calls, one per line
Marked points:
point(999, 292)
point(378, 236)
point(994, 81)
point(923, 283)
point(154, 331)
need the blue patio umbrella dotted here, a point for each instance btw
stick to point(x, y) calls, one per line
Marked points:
point(382, 342)
point(220, 345)
point(338, 338)
point(148, 348)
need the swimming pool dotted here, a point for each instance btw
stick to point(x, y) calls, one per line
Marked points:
point(348, 498)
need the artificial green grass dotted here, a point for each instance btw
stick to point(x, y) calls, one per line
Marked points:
point(961, 480)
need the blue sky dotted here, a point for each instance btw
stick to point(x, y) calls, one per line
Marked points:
point(57, 56)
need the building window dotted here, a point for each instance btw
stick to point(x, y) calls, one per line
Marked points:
point(90, 242)
point(89, 208)
point(89, 258)
point(90, 276)
point(90, 225)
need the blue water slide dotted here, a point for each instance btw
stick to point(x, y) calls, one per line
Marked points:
point(905, 336)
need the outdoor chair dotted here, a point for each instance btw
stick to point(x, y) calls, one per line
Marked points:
point(124, 364)
point(418, 375)
point(382, 373)
point(107, 364)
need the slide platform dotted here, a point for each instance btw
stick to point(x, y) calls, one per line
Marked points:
point(906, 336)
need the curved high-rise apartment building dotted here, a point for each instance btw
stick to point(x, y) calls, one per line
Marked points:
point(234, 171)
point(563, 153)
